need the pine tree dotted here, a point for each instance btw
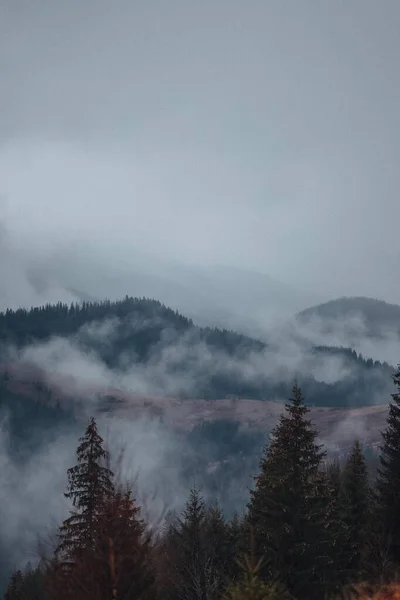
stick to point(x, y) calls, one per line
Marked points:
point(339, 531)
point(355, 502)
point(334, 476)
point(289, 506)
point(90, 483)
point(15, 587)
point(27, 585)
point(216, 544)
point(249, 585)
point(119, 565)
point(237, 545)
point(388, 480)
point(104, 551)
point(190, 563)
point(123, 550)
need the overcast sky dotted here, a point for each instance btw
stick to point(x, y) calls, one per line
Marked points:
point(262, 134)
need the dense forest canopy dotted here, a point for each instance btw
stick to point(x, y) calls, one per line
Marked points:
point(311, 528)
point(142, 331)
point(219, 455)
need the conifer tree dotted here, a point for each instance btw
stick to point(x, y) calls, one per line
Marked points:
point(237, 545)
point(15, 587)
point(289, 506)
point(104, 551)
point(90, 483)
point(355, 502)
point(216, 544)
point(123, 550)
point(119, 565)
point(27, 585)
point(192, 572)
point(388, 480)
point(340, 545)
point(334, 476)
point(249, 585)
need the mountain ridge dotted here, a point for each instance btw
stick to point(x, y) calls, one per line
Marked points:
point(141, 340)
point(375, 313)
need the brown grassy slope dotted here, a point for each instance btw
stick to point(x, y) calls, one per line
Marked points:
point(335, 425)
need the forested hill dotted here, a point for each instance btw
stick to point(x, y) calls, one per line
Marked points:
point(212, 363)
point(375, 317)
point(139, 324)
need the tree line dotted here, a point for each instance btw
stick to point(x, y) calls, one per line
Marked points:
point(311, 529)
point(144, 329)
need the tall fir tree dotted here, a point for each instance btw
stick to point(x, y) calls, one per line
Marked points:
point(27, 585)
point(388, 480)
point(190, 560)
point(119, 565)
point(15, 588)
point(289, 506)
point(340, 545)
point(355, 495)
point(237, 545)
point(249, 585)
point(90, 483)
point(216, 544)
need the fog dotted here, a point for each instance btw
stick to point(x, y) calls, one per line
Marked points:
point(237, 161)
point(263, 137)
point(152, 452)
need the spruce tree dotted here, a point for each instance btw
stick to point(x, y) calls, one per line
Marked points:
point(249, 584)
point(288, 508)
point(15, 587)
point(90, 483)
point(190, 562)
point(237, 545)
point(251, 587)
point(355, 511)
point(119, 566)
point(216, 544)
point(388, 480)
point(27, 585)
point(123, 550)
point(339, 531)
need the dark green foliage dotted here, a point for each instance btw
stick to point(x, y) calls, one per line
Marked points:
point(312, 525)
point(219, 453)
point(289, 506)
point(31, 423)
point(388, 482)
point(89, 485)
point(237, 533)
point(378, 316)
point(197, 546)
point(222, 438)
point(355, 496)
point(340, 551)
point(27, 585)
point(251, 587)
point(14, 589)
point(216, 543)
point(139, 331)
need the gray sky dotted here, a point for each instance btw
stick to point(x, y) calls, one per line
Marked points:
point(261, 134)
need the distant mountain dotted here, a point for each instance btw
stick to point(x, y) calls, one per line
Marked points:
point(240, 298)
point(156, 351)
point(224, 296)
point(361, 315)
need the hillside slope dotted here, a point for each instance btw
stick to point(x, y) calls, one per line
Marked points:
point(147, 348)
point(370, 316)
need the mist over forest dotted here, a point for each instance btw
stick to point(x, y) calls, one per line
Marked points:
point(199, 304)
point(139, 366)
